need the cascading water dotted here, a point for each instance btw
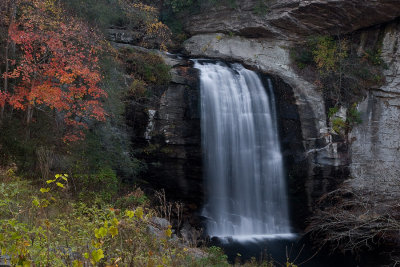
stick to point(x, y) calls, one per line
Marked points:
point(243, 162)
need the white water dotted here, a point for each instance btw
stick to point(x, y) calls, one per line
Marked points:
point(246, 188)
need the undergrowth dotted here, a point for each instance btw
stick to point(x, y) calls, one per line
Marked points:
point(43, 224)
point(47, 226)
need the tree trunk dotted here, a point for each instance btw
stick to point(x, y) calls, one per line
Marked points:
point(11, 6)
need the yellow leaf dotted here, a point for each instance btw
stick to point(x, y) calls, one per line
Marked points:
point(114, 222)
point(97, 255)
point(168, 232)
point(44, 190)
point(36, 202)
point(129, 213)
point(113, 231)
point(139, 213)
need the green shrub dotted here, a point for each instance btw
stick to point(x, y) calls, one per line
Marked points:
point(339, 126)
point(99, 12)
point(216, 257)
point(328, 53)
point(333, 111)
point(337, 69)
point(374, 57)
point(132, 200)
point(353, 116)
point(178, 5)
point(103, 185)
point(151, 68)
point(302, 56)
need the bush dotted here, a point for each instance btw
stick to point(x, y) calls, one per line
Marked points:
point(216, 257)
point(353, 116)
point(338, 71)
point(150, 68)
point(135, 198)
point(48, 227)
point(102, 13)
point(302, 56)
point(103, 185)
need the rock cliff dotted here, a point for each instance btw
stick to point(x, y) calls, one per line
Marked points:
point(317, 162)
point(263, 42)
point(293, 19)
point(375, 152)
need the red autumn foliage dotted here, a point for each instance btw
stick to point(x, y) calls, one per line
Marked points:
point(58, 67)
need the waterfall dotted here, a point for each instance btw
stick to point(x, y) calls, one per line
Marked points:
point(245, 180)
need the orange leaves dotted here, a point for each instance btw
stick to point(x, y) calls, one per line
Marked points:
point(58, 66)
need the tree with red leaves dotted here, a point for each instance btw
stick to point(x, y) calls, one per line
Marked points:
point(58, 68)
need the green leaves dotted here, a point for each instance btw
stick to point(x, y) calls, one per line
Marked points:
point(328, 53)
point(113, 231)
point(59, 178)
point(36, 202)
point(168, 232)
point(44, 190)
point(101, 232)
point(97, 255)
point(129, 213)
point(139, 213)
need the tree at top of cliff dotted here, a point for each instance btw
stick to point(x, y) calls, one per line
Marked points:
point(58, 67)
point(145, 17)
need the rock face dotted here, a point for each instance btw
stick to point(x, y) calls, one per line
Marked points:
point(166, 134)
point(263, 43)
point(320, 166)
point(376, 148)
point(316, 162)
point(177, 131)
point(293, 19)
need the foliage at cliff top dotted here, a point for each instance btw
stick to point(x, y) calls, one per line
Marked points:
point(336, 66)
point(139, 17)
